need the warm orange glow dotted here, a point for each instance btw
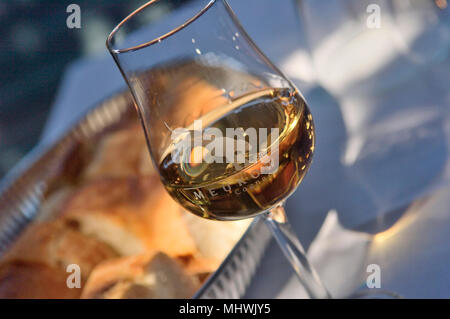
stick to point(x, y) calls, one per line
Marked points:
point(198, 153)
point(397, 228)
point(442, 4)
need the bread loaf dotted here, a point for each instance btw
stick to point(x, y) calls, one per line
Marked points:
point(133, 215)
point(31, 280)
point(153, 275)
point(58, 244)
point(120, 154)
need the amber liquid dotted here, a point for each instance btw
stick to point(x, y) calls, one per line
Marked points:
point(229, 191)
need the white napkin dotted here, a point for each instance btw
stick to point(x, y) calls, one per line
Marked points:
point(338, 255)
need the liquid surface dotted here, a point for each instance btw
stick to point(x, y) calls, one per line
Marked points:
point(228, 191)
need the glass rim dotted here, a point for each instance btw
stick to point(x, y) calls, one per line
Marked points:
point(109, 40)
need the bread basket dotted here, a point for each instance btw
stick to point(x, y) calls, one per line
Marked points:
point(22, 191)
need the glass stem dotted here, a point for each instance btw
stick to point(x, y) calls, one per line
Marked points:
point(277, 221)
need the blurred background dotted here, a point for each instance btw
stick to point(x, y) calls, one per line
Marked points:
point(376, 75)
point(35, 48)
